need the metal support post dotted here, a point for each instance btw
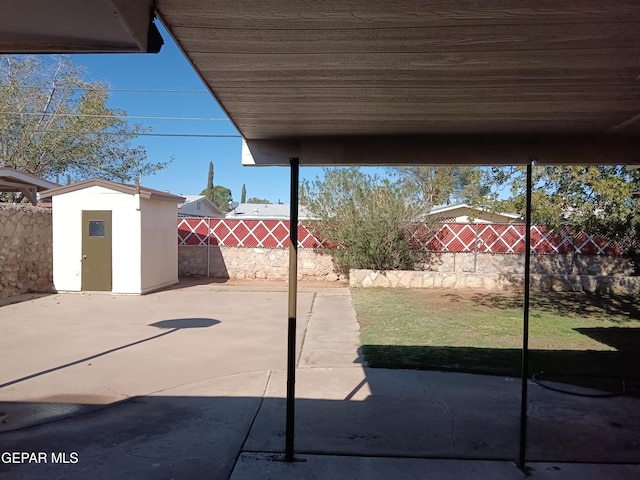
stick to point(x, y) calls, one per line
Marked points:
point(293, 300)
point(525, 324)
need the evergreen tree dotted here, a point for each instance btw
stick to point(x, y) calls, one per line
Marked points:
point(210, 177)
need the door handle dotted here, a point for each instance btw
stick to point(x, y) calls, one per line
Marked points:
point(84, 257)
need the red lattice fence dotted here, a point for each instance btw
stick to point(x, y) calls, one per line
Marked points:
point(451, 237)
point(509, 238)
point(242, 233)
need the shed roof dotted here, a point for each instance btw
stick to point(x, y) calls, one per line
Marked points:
point(145, 192)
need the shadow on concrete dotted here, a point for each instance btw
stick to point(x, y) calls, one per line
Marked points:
point(201, 437)
point(173, 325)
point(180, 323)
point(24, 297)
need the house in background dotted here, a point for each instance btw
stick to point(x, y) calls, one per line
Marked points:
point(265, 211)
point(113, 237)
point(463, 213)
point(199, 206)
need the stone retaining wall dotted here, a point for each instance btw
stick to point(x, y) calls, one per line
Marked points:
point(26, 260)
point(259, 263)
point(556, 264)
point(447, 270)
point(614, 285)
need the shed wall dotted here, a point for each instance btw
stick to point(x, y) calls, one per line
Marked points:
point(67, 238)
point(159, 246)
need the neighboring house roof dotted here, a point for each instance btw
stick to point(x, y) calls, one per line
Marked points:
point(477, 213)
point(145, 192)
point(266, 211)
point(13, 180)
point(190, 204)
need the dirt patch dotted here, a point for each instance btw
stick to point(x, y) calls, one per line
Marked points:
point(186, 282)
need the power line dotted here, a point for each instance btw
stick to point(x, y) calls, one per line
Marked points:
point(194, 135)
point(136, 117)
point(144, 90)
point(127, 90)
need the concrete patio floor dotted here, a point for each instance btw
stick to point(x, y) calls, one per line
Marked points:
point(190, 383)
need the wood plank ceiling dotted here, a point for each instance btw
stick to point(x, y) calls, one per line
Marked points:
point(287, 69)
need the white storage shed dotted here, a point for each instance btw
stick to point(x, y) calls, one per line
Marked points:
point(113, 237)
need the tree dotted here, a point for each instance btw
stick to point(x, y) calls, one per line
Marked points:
point(371, 219)
point(54, 124)
point(210, 176)
point(219, 196)
point(594, 199)
point(446, 184)
point(243, 197)
point(257, 200)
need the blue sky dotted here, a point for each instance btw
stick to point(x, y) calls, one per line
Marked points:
point(187, 174)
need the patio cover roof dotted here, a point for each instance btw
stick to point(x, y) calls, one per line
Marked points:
point(12, 180)
point(41, 26)
point(386, 82)
point(405, 81)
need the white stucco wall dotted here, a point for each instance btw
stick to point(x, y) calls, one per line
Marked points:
point(159, 244)
point(67, 237)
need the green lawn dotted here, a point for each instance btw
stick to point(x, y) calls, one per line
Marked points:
point(481, 332)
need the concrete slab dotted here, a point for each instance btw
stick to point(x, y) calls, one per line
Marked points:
point(100, 349)
point(333, 337)
point(411, 422)
point(351, 411)
point(252, 466)
point(174, 435)
point(199, 395)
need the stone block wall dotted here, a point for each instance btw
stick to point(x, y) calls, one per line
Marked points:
point(26, 246)
point(612, 285)
point(508, 264)
point(604, 274)
point(254, 263)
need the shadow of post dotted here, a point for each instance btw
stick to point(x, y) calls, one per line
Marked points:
point(173, 325)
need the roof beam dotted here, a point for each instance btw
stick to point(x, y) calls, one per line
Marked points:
point(77, 26)
point(445, 150)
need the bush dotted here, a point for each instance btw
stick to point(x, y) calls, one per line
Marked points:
point(369, 218)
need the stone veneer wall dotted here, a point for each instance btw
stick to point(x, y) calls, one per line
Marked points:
point(26, 246)
point(259, 263)
point(607, 274)
point(553, 264)
point(614, 285)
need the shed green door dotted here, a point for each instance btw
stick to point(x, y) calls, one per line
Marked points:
point(96, 250)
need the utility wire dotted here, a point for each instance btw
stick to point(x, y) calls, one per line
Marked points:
point(137, 117)
point(130, 90)
point(194, 135)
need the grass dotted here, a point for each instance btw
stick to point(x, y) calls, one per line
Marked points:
point(572, 334)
